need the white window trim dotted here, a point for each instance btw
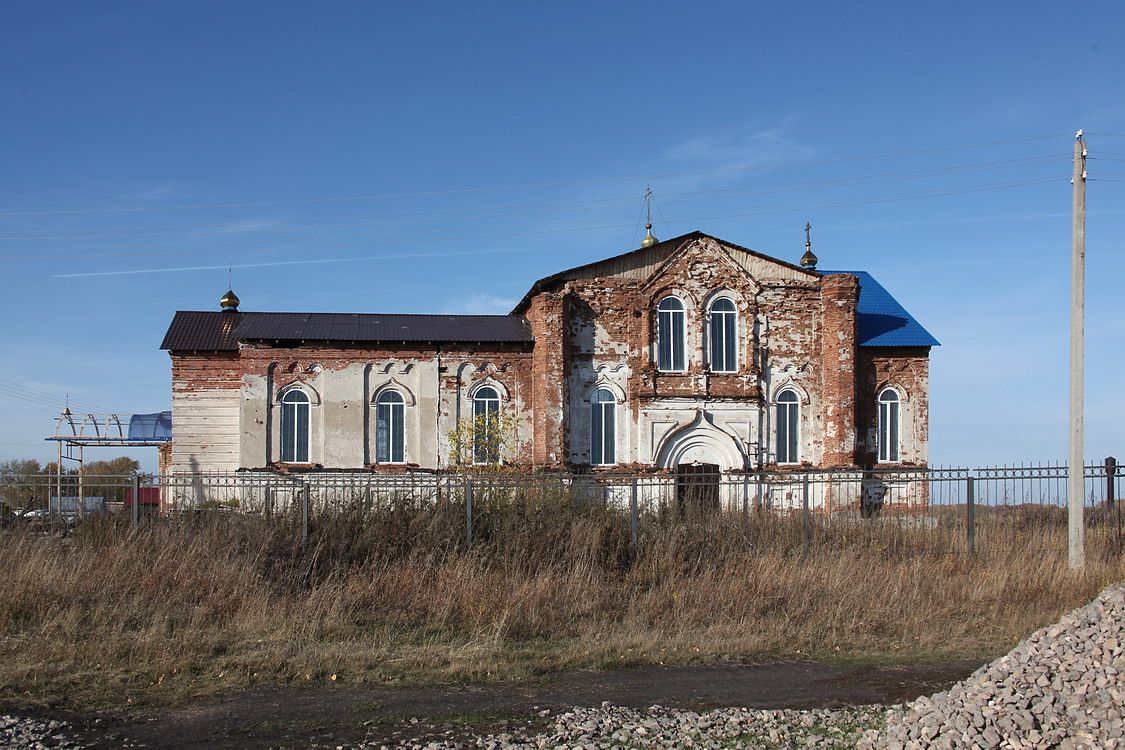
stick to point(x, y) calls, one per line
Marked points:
point(710, 332)
point(797, 403)
point(880, 443)
point(601, 415)
point(499, 403)
point(307, 404)
point(682, 312)
point(390, 443)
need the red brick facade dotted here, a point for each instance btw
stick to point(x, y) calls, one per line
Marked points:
point(594, 328)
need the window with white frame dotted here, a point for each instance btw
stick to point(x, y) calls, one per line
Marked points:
point(889, 403)
point(295, 427)
point(788, 428)
point(723, 335)
point(603, 427)
point(486, 426)
point(670, 331)
point(390, 429)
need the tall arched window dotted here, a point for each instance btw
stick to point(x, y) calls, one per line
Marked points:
point(486, 426)
point(788, 428)
point(724, 336)
point(390, 432)
point(603, 428)
point(670, 335)
point(295, 427)
point(888, 425)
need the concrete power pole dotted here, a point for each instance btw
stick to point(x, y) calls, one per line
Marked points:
point(1075, 484)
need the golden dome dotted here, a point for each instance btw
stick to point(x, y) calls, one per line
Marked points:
point(229, 301)
point(649, 240)
point(808, 260)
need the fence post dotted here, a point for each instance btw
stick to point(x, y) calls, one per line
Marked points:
point(304, 514)
point(633, 511)
point(970, 515)
point(135, 511)
point(1110, 472)
point(805, 515)
point(469, 512)
point(745, 499)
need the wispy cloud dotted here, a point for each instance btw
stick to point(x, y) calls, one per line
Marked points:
point(740, 151)
point(248, 225)
point(481, 304)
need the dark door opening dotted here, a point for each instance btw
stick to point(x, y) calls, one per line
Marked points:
point(697, 488)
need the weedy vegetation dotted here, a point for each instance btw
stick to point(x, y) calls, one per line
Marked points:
point(179, 608)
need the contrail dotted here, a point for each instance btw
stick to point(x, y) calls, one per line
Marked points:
point(177, 269)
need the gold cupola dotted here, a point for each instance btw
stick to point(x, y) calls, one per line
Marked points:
point(229, 301)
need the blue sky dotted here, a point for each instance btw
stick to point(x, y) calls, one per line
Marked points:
point(425, 157)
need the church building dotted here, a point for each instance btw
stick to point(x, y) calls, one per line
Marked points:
point(685, 354)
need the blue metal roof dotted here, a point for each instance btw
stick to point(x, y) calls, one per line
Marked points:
point(881, 320)
point(151, 426)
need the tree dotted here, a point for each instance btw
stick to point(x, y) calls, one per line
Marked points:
point(487, 441)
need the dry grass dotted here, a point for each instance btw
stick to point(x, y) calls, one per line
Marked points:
point(173, 611)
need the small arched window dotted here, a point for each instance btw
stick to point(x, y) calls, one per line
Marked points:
point(486, 426)
point(724, 336)
point(788, 428)
point(295, 427)
point(390, 430)
point(603, 428)
point(889, 403)
point(670, 335)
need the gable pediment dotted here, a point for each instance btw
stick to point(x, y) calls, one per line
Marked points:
point(642, 265)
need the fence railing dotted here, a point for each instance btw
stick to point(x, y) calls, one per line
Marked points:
point(951, 507)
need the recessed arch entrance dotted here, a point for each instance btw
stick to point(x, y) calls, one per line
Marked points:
point(699, 453)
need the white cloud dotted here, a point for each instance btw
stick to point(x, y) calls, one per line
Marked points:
point(481, 304)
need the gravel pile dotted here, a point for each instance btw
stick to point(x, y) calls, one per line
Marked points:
point(658, 727)
point(1063, 687)
point(20, 732)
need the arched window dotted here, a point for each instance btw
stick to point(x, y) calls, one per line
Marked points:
point(390, 432)
point(788, 428)
point(724, 336)
point(888, 425)
point(486, 426)
point(603, 428)
point(670, 335)
point(295, 427)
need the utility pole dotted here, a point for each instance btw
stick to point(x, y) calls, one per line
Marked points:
point(1075, 478)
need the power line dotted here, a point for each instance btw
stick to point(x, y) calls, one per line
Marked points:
point(552, 208)
point(224, 228)
point(529, 186)
point(563, 230)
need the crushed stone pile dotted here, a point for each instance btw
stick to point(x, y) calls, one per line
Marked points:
point(1062, 687)
point(612, 726)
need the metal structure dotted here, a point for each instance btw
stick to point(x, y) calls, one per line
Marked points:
point(73, 435)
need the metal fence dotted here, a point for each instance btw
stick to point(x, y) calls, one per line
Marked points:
point(946, 507)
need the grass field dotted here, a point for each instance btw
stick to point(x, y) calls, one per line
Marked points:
point(109, 615)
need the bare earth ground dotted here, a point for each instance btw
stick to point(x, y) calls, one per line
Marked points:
point(334, 715)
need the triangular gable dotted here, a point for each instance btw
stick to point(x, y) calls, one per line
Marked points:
point(641, 264)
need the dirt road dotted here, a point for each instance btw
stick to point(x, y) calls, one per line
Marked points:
point(339, 714)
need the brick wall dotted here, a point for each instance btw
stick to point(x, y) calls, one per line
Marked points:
point(839, 296)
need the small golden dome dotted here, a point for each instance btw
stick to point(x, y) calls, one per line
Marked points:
point(229, 301)
point(808, 260)
point(649, 240)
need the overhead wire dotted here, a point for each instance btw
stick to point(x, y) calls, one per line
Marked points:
point(530, 186)
point(224, 228)
point(569, 229)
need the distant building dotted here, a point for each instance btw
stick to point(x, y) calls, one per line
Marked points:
point(688, 352)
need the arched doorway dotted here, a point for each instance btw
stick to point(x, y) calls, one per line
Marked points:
point(699, 453)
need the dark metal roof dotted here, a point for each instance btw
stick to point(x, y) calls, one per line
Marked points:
point(881, 320)
point(221, 331)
